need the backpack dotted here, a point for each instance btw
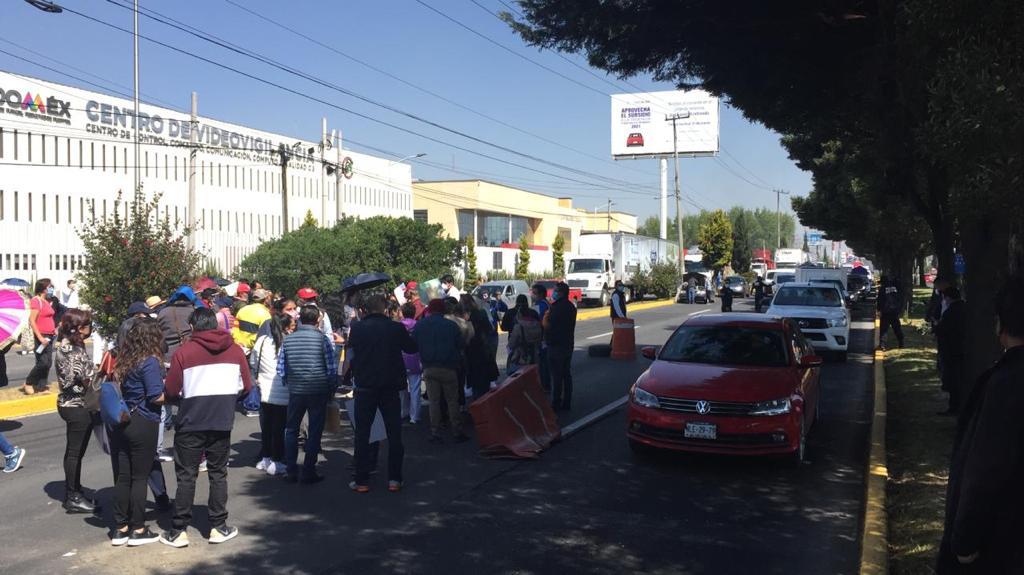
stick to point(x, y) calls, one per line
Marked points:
point(113, 408)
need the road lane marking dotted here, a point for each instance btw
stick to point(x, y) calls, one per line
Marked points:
point(578, 425)
point(635, 327)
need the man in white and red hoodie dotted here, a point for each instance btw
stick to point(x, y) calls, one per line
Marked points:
point(208, 374)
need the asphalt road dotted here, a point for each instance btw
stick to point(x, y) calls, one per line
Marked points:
point(587, 505)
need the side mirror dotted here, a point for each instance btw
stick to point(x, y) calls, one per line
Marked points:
point(809, 361)
point(649, 352)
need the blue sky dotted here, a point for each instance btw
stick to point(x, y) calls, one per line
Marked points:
point(409, 41)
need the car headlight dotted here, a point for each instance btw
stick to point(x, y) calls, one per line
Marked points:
point(644, 398)
point(773, 407)
point(837, 321)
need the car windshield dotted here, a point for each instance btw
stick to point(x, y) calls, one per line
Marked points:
point(734, 280)
point(586, 266)
point(785, 278)
point(492, 291)
point(839, 285)
point(726, 345)
point(808, 296)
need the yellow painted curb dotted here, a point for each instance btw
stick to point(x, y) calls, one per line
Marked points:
point(31, 405)
point(603, 311)
point(874, 552)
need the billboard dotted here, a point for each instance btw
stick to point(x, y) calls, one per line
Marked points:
point(640, 130)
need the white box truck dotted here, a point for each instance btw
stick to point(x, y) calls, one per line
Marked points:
point(790, 258)
point(605, 258)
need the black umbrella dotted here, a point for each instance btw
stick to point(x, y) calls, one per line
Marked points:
point(15, 282)
point(221, 281)
point(364, 281)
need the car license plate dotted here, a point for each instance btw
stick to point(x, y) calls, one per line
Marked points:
point(700, 431)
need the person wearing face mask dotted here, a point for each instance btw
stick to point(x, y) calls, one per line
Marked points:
point(949, 336)
point(560, 336)
point(41, 320)
point(618, 301)
point(984, 505)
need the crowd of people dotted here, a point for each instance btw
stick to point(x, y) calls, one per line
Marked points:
point(287, 360)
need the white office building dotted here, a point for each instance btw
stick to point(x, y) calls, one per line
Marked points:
point(66, 153)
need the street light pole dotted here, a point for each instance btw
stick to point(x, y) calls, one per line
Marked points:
point(135, 73)
point(679, 204)
point(778, 213)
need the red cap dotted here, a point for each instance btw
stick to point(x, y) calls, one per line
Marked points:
point(307, 293)
point(411, 285)
point(243, 288)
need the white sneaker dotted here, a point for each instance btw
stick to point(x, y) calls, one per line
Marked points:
point(277, 468)
point(263, 464)
point(202, 466)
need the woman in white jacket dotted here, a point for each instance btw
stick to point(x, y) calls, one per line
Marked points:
point(273, 394)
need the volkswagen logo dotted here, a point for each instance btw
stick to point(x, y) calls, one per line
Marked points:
point(703, 407)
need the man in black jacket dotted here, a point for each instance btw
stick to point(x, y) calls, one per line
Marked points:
point(949, 335)
point(560, 335)
point(378, 369)
point(984, 499)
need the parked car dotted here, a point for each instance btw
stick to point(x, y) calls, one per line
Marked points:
point(504, 290)
point(739, 383)
point(703, 293)
point(738, 286)
point(575, 294)
point(784, 279)
point(819, 309)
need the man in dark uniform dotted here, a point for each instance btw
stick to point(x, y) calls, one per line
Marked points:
point(758, 293)
point(890, 304)
point(726, 294)
point(949, 335)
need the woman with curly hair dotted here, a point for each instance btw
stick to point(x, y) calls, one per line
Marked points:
point(75, 372)
point(133, 442)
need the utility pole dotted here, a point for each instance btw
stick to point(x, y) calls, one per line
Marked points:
point(339, 198)
point(679, 204)
point(193, 139)
point(609, 215)
point(283, 151)
point(778, 212)
point(324, 142)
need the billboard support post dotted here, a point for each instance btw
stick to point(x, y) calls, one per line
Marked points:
point(663, 164)
point(283, 150)
point(674, 118)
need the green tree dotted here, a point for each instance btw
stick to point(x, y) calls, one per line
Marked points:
point(310, 221)
point(741, 250)
point(128, 260)
point(322, 257)
point(715, 240)
point(558, 256)
point(523, 262)
point(472, 275)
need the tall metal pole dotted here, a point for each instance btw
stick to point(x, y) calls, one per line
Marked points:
point(323, 172)
point(663, 165)
point(193, 139)
point(284, 188)
point(135, 39)
point(339, 198)
point(679, 204)
point(778, 212)
point(609, 215)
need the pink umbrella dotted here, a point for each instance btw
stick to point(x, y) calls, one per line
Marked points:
point(13, 314)
point(204, 283)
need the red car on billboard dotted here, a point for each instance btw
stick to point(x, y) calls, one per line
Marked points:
point(737, 383)
point(636, 139)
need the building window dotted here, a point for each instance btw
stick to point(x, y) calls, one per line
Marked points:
point(466, 222)
point(56, 209)
point(493, 229)
point(28, 140)
point(92, 155)
point(520, 228)
point(496, 262)
point(42, 145)
point(15, 139)
point(1, 142)
point(15, 206)
point(30, 206)
point(420, 216)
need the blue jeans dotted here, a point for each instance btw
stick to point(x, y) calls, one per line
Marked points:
point(315, 405)
point(5, 446)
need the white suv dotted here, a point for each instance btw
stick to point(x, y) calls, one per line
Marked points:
point(820, 312)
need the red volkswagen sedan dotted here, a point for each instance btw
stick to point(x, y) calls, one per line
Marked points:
point(736, 383)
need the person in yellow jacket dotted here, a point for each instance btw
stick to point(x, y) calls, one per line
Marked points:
point(249, 319)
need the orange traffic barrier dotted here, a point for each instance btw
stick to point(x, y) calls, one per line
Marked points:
point(515, 419)
point(623, 339)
